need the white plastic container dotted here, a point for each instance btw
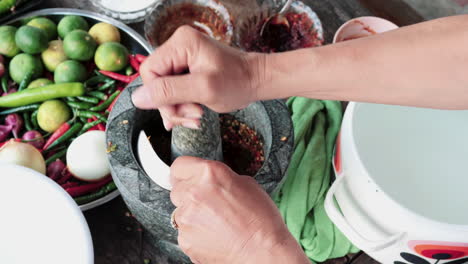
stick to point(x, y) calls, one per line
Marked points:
point(40, 222)
point(401, 183)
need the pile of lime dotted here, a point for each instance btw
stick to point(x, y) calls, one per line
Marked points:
point(42, 52)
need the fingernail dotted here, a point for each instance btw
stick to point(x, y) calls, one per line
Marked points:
point(193, 116)
point(167, 125)
point(142, 99)
point(191, 124)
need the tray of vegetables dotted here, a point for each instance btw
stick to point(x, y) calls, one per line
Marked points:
point(61, 71)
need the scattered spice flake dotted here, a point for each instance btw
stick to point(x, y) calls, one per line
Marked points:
point(284, 139)
point(124, 122)
point(111, 148)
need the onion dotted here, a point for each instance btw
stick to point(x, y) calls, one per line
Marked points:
point(87, 157)
point(4, 132)
point(55, 170)
point(22, 154)
point(34, 138)
point(16, 123)
point(2, 69)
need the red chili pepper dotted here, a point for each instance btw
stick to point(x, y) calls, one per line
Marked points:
point(117, 76)
point(134, 76)
point(94, 127)
point(134, 62)
point(140, 58)
point(87, 188)
point(66, 176)
point(58, 133)
point(111, 106)
point(99, 126)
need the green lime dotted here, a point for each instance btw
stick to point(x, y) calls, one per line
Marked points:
point(39, 83)
point(24, 63)
point(111, 56)
point(70, 71)
point(70, 23)
point(104, 32)
point(45, 24)
point(7, 41)
point(52, 114)
point(79, 45)
point(53, 55)
point(31, 40)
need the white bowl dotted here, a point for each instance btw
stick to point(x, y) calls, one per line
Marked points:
point(40, 222)
point(362, 27)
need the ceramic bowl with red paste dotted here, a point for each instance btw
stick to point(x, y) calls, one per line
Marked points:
point(207, 16)
point(305, 30)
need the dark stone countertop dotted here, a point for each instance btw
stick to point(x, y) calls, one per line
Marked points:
point(117, 236)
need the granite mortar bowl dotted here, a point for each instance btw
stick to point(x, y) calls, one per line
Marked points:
point(149, 202)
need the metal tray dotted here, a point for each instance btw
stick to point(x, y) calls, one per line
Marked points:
point(129, 38)
point(19, 10)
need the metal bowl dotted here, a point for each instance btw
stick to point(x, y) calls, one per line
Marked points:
point(211, 22)
point(129, 38)
point(249, 25)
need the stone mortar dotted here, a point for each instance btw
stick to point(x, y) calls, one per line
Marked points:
point(151, 204)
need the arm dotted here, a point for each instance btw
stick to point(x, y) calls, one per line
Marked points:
point(424, 65)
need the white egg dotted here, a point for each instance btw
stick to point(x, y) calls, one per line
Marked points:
point(87, 156)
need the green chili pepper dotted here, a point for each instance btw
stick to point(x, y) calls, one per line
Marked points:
point(89, 114)
point(104, 105)
point(40, 94)
point(87, 99)
point(84, 120)
point(69, 134)
point(20, 109)
point(80, 105)
point(71, 99)
point(98, 95)
point(107, 85)
point(108, 188)
point(27, 121)
point(5, 83)
point(95, 80)
point(26, 80)
point(87, 126)
point(56, 156)
point(34, 119)
point(129, 70)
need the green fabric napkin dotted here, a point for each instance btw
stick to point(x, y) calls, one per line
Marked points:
point(301, 198)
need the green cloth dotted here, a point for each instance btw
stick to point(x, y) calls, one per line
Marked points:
point(301, 197)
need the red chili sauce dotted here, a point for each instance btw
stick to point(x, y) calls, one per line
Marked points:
point(188, 14)
point(279, 38)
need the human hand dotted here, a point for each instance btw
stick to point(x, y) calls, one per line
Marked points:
point(220, 77)
point(226, 218)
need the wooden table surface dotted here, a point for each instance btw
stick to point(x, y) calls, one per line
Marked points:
point(118, 237)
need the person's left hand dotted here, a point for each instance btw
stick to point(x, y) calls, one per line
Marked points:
point(226, 218)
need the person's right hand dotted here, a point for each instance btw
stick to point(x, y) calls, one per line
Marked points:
point(220, 77)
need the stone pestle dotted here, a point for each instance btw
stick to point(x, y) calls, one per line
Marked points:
point(203, 143)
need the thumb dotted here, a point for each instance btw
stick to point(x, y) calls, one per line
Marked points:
point(168, 90)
